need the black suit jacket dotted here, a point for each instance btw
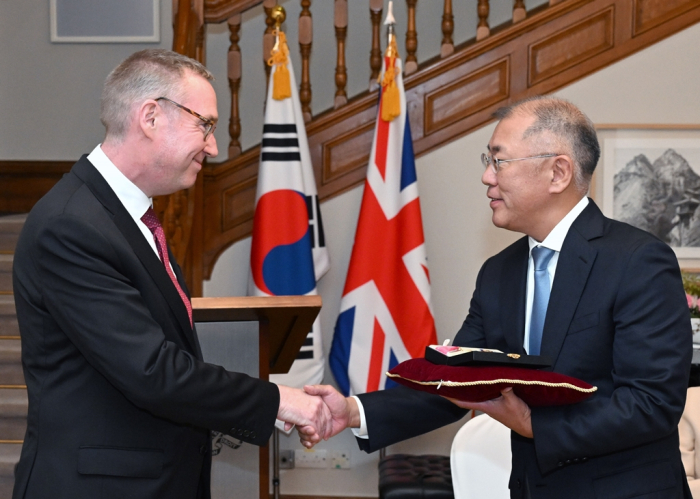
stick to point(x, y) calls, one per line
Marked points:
point(618, 319)
point(120, 402)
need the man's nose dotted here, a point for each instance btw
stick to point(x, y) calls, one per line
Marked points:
point(210, 148)
point(489, 176)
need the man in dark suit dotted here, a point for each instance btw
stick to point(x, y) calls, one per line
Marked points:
point(120, 402)
point(615, 317)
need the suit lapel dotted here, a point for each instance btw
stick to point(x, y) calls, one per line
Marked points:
point(513, 297)
point(576, 260)
point(126, 225)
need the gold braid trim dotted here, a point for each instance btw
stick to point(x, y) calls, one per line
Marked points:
point(496, 381)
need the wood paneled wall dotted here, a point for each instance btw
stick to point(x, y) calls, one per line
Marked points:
point(451, 96)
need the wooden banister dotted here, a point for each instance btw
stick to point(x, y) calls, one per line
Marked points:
point(305, 42)
point(234, 82)
point(411, 65)
point(341, 72)
point(448, 27)
point(447, 96)
point(375, 57)
point(482, 29)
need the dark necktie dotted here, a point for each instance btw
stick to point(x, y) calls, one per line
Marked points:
point(151, 220)
point(541, 257)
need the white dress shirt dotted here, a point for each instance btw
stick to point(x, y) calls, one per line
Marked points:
point(554, 241)
point(133, 198)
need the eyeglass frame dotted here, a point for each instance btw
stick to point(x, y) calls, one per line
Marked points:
point(495, 163)
point(211, 124)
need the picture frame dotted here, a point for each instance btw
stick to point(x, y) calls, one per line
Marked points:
point(649, 176)
point(105, 21)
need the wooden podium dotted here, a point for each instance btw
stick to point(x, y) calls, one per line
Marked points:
point(258, 336)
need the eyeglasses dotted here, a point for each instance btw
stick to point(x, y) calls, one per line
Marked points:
point(209, 125)
point(495, 164)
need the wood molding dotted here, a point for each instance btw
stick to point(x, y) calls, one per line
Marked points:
point(217, 11)
point(23, 183)
point(450, 97)
point(651, 13)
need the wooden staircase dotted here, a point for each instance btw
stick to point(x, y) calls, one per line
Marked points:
point(13, 391)
point(448, 96)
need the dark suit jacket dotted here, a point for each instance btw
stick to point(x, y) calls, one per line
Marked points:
point(120, 402)
point(618, 319)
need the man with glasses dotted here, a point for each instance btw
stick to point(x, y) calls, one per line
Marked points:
point(120, 402)
point(602, 299)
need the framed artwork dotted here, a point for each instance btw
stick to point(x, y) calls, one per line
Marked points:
point(649, 177)
point(105, 21)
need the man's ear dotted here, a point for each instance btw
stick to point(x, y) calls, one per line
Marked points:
point(562, 174)
point(150, 118)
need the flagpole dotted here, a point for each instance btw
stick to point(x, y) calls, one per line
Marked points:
point(276, 463)
point(389, 22)
point(279, 15)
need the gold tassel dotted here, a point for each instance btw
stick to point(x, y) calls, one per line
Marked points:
point(281, 87)
point(391, 101)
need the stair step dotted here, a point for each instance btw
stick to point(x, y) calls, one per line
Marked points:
point(9, 457)
point(11, 372)
point(6, 273)
point(13, 414)
point(10, 227)
point(8, 316)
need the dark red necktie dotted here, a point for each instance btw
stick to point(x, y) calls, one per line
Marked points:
point(151, 220)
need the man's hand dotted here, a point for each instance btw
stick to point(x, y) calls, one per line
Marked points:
point(344, 413)
point(299, 408)
point(509, 409)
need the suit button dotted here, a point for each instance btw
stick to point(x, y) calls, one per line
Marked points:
point(568, 461)
point(560, 464)
point(239, 432)
point(584, 459)
point(518, 484)
point(246, 433)
point(232, 431)
point(203, 450)
point(252, 434)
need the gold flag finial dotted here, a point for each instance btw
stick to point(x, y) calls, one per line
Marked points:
point(281, 86)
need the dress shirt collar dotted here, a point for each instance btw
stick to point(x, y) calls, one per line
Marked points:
point(133, 198)
point(555, 239)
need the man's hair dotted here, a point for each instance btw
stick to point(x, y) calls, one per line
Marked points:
point(147, 74)
point(569, 126)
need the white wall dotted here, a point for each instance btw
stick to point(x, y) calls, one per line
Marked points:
point(50, 92)
point(658, 85)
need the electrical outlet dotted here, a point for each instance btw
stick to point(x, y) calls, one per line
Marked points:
point(340, 460)
point(287, 459)
point(310, 458)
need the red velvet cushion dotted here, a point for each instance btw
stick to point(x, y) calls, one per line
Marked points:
point(477, 384)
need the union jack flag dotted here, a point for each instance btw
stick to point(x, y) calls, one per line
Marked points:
point(385, 312)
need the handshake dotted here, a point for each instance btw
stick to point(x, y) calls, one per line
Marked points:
point(321, 412)
point(318, 411)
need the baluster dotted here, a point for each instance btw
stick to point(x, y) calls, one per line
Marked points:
point(234, 81)
point(200, 46)
point(341, 73)
point(519, 11)
point(448, 27)
point(268, 37)
point(375, 54)
point(305, 38)
point(482, 30)
point(411, 39)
